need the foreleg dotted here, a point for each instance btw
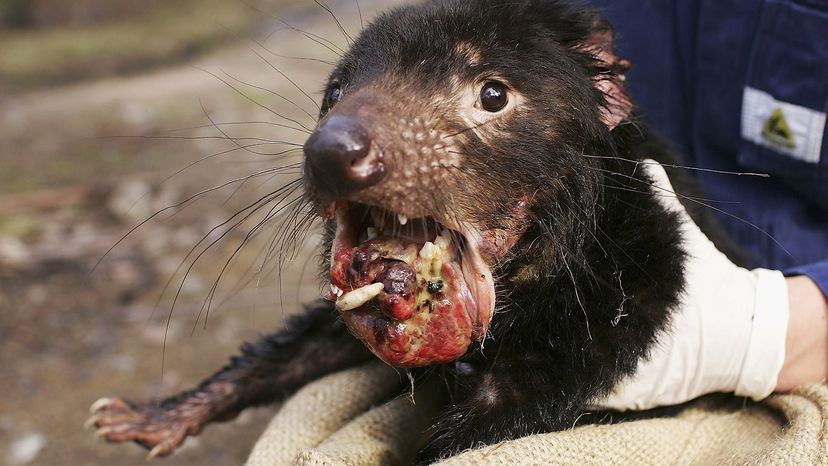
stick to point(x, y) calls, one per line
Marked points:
point(313, 345)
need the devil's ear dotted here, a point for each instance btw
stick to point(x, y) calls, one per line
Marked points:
point(610, 75)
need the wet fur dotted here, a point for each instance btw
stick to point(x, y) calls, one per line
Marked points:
point(585, 292)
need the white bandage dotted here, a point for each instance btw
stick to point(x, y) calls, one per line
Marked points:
point(728, 335)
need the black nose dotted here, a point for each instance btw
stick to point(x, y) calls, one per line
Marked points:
point(340, 158)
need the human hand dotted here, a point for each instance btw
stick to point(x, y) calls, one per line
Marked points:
point(806, 351)
point(728, 334)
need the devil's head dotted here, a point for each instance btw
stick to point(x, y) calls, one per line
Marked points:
point(448, 153)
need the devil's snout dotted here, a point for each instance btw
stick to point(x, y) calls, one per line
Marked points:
point(341, 158)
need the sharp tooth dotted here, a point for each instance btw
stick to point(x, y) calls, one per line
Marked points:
point(428, 251)
point(372, 233)
point(443, 240)
point(336, 290)
point(359, 298)
point(403, 219)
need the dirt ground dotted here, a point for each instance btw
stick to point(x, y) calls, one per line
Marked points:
point(80, 166)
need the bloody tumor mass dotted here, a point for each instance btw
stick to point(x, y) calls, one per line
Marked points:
point(416, 320)
point(398, 278)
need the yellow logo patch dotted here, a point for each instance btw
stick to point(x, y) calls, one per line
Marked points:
point(777, 130)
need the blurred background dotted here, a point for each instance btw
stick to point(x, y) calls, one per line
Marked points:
point(111, 111)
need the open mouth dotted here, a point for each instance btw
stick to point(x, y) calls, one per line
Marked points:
point(416, 291)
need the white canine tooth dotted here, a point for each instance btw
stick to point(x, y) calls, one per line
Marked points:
point(443, 240)
point(372, 233)
point(428, 251)
point(360, 297)
point(403, 219)
point(336, 290)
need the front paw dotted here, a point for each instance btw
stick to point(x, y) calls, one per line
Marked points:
point(161, 429)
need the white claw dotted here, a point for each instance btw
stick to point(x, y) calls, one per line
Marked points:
point(403, 219)
point(359, 298)
point(103, 432)
point(155, 452)
point(90, 423)
point(100, 405)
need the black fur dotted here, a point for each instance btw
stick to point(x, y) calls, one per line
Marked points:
point(587, 289)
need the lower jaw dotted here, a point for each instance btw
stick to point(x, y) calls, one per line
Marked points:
point(422, 327)
point(441, 334)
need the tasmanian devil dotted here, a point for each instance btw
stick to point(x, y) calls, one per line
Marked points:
point(475, 166)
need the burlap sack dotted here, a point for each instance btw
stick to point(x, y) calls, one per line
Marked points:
point(348, 419)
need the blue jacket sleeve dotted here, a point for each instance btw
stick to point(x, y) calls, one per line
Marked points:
point(817, 272)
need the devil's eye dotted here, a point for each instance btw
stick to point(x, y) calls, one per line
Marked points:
point(493, 96)
point(333, 96)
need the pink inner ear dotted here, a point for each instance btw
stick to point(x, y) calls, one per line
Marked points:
point(601, 45)
point(618, 104)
